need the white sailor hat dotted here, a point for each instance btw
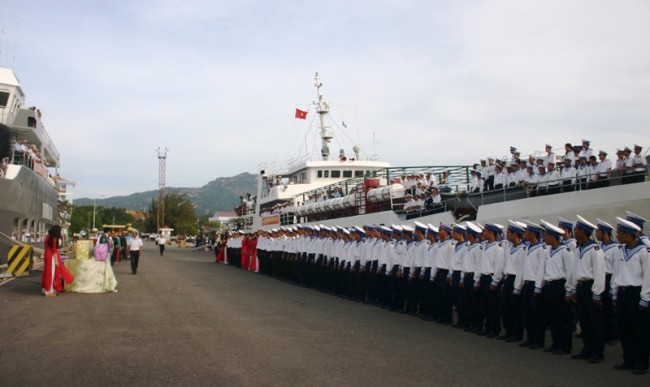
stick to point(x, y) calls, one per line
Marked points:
point(549, 145)
point(636, 219)
point(638, 146)
point(396, 228)
point(585, 225)
point(602, 152)
point(585, 141)
point(604, 226)
point(512, 148)
point(562, 222)
point(627, 226)
point(385, 230)
point(516, 227)
point(408, 229)
point(551, 229)
point(433, 228)
point(458, 228)
point(533, 227)
point(491, 158)
point(444, 227)
point(494, 227)
point(359, 230)
point(420, 226)
point(316, 228)
point(627, 149)
point(498, 166)
point(473, 229)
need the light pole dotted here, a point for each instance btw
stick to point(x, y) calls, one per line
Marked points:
point(95, 210)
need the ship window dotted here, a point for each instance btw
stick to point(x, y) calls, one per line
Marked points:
point(358, 173)
point(319, 174)
point(336, 173)
point(327, 173)
point(4, 98)
point(347, 173)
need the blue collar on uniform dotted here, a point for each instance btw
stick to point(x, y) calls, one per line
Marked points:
point(629, 253)
point(590, 245)
point(534, 247)
point(514, 249)
point(559, 248)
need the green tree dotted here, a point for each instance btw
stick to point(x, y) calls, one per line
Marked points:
point(82, 217)
point(180, 214)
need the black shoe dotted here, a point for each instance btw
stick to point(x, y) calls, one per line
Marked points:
point(535, 346)
point(639, 370)
point(595, 359)
point(525, 344)
point(490, 336)
point(623, 367)
point(550, 349)
point(580, 356)
point(503, 337)
point(513, 339)
point(560, 351)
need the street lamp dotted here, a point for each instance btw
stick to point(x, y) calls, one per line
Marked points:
point(95, 210)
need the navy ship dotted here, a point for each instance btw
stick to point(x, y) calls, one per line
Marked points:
point(31, 190)
point(348, 191)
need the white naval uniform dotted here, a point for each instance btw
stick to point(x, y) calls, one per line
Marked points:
point(514, 258)
point(492, 262)
point(633, 269)
point(535, 254)
point(558, 264)
point(589, 265)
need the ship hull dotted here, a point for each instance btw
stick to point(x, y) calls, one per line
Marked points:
point(28, 205)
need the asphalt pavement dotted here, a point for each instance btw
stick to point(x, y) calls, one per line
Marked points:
point(186, 320)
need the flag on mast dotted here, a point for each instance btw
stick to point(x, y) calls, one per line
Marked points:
point(300, 114)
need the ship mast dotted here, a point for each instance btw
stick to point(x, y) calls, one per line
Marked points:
point(323, 109)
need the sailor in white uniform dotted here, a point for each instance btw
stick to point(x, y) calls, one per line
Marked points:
point(552, 281)
point(510, 309)
point(587, 282)
point(550, 155)
point(585, 151)
point(631, 292)
point(613, 253)
point(639, 221)
point(604, 169)
point(568, 176)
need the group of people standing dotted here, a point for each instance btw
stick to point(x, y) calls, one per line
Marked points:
point(579, 168)
point(509, 283)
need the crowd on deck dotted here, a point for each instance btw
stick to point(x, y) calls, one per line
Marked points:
point(507, 283)
point(579, 168)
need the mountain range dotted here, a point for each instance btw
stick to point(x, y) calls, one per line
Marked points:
point(220, 194)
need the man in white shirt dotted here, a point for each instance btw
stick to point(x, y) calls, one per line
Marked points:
point(161, 244)
point(135, 251)
point(604, 169)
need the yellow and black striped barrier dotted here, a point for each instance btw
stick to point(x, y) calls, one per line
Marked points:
point(19, 259)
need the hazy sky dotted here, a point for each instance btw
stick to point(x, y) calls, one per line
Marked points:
point(418, 82)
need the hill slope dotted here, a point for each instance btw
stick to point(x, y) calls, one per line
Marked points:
point(220, 194)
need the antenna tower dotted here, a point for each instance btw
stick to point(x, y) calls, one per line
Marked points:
point(162, 157)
